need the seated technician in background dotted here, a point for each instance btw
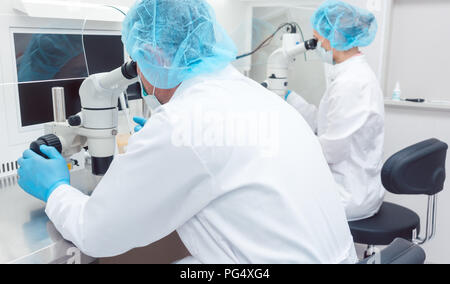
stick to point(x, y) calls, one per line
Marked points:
point(350, 120)
point(230, 203)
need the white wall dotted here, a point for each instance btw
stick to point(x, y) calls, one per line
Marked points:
point(376, 52)
point(418, 48)
point(417, 57)
point(236, 17)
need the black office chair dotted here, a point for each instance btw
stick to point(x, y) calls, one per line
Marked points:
point(416, 170)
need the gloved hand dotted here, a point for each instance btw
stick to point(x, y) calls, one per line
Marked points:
point(287, 95)
point(141, 121)
point(38, 176)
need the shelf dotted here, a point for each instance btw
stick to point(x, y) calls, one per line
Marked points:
point(420, 106)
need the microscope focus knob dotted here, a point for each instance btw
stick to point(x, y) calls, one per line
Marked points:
point(50, 140)
point(74, 120)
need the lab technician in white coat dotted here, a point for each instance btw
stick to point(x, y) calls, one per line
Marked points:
point(270, 200)
point(349, 122)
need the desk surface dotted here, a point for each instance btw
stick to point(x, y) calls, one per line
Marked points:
point(26, 234)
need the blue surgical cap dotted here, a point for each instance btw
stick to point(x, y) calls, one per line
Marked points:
point(344, 25)
point(175, 40)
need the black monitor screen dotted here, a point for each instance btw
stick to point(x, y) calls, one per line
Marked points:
point(45, 61)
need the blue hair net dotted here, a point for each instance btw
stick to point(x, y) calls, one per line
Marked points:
point(175, 40)
point(344, 25)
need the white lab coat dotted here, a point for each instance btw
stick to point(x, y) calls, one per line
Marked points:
point(229, 204)
point(350, 126)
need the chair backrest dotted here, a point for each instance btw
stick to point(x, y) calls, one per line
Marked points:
point(418, 169)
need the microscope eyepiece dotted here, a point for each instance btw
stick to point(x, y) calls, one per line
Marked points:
point(129, 70)
point(311, 44)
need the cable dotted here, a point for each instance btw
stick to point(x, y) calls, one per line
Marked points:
point(83, 32)
point(267, 41)
point(303, 37)
point(115, 8)
point(84, 48)
point(122, 98)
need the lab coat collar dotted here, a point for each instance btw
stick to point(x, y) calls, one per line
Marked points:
point(204, 78)
point(338, 69)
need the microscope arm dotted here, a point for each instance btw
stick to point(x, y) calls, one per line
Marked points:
point(96, 125)
point(101, 91)
point(281, 59)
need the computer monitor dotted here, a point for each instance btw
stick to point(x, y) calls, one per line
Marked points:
point(47, 60)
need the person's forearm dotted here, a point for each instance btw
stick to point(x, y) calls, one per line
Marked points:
point(65, 209)
point(307, 110)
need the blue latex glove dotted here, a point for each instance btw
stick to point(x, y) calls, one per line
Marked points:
point(141, 121)
point(38, 176)
point(287, 95)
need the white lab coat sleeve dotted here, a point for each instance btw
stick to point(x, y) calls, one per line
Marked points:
point(147, 193)
point(348, 111)
point(307, 110)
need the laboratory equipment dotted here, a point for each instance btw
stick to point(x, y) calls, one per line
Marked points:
point(59, 104)
point(37, 76)
point(96, 126)
point(281, 59)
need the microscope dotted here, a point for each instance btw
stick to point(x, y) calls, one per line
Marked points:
point(281, 59)
point(96, 126)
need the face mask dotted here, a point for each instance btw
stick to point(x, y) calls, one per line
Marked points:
point(151, 100)
point(327, 56)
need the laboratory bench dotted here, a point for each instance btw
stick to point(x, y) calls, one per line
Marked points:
point(28, 237)
point(26, 234)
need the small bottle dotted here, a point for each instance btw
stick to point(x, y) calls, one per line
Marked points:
point(397, 94)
